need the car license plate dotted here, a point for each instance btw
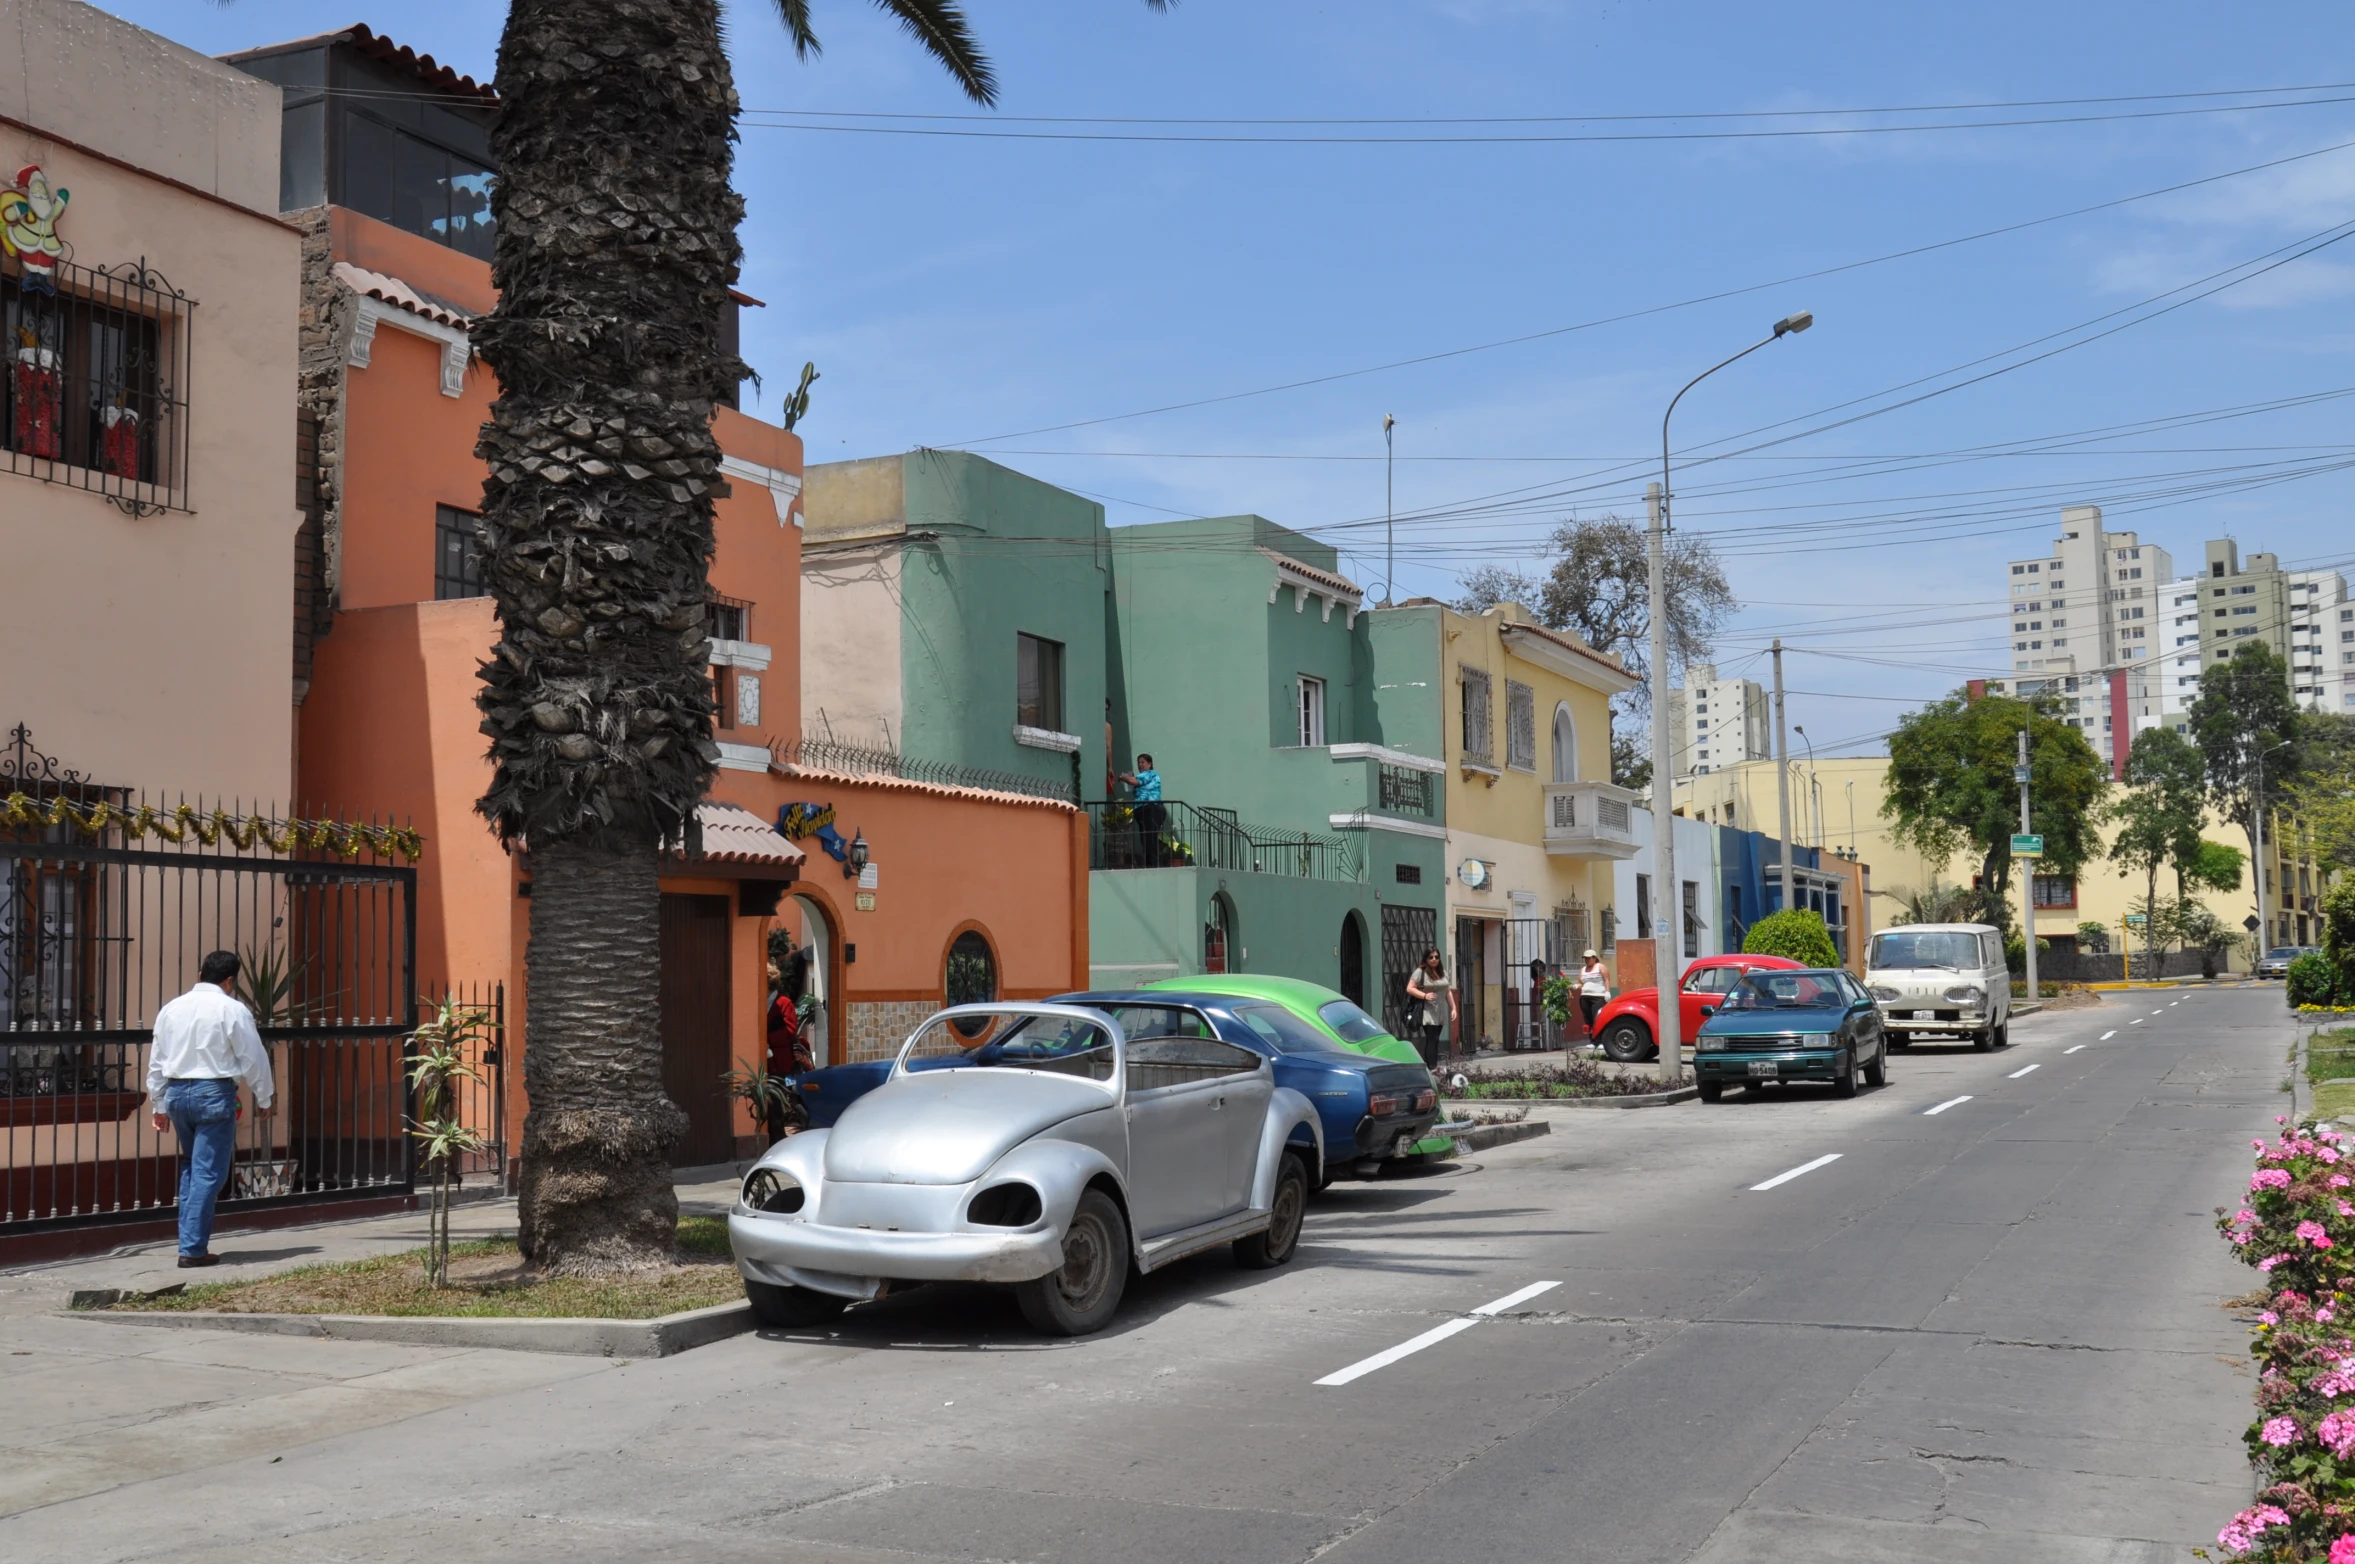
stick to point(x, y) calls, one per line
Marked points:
point(1764, 1067)
point(1925, 1015)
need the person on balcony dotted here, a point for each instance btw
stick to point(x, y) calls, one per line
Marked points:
point(1146, 807)
point(205, 1043)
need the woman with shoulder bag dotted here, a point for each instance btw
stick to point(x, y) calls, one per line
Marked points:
point(1431, 1004)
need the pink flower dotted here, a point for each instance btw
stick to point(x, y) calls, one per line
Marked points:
point(2343, 1550)
point(2240, 1533)
point(2340, 1181)
point(2333, 1386)
point(2338, 1432)
point(2270, 1178)
point(2269, 1318)
point(2326, 1154)
point(2270, 1261)
point(2323, 1316)
point(2279, 1431)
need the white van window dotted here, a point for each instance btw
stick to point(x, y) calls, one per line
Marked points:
point(1901, 948)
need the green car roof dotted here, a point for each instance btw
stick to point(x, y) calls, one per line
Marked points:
point(1303, 998)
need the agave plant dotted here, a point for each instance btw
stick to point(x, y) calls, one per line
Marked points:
point(439, 1060)
point(770, 1097)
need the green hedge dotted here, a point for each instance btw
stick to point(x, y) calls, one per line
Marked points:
point(1794, 933)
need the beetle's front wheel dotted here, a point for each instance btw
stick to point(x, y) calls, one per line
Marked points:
point(1082, 1296)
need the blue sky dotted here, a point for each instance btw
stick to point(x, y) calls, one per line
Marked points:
point(988, 290)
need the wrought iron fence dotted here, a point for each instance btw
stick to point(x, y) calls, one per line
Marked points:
point(827, 754)
point(96, 390)
point(1404, 791)
point(481, 1098)
point(99, 928)
point(1181, 836)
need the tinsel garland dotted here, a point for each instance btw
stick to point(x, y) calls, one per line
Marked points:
point(211, 826)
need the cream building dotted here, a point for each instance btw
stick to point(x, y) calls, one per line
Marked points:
point(1714, 723)
point(1534, 825)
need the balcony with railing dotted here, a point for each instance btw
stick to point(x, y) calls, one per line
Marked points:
point(1590, 820)
point(1123, 836)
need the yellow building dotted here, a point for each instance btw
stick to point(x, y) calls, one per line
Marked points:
point(1534, 824)
point(1836, 804)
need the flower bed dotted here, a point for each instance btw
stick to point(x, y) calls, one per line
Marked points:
point(2296, 1225)
point(1578, 1078)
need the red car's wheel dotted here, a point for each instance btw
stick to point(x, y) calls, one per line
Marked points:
point(1627, 1040)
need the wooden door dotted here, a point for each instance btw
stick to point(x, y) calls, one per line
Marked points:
point(695, 1002)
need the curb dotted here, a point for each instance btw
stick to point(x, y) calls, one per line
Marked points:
point(1483, 1137)
point(654, 1338)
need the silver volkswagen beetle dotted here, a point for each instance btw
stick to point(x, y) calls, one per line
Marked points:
point(1037, 1145)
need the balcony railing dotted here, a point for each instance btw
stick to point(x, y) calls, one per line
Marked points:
point(1189, 838)
point(1589, 820)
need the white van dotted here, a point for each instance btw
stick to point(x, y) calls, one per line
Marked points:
point(1941, 978)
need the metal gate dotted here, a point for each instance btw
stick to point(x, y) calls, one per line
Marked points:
point(97, 933)
point(1500, 967)
point(1406, 933)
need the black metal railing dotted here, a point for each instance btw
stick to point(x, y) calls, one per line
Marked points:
point(1181, 836)
point(1402, 791)
point(95, 394)
point(826, 754)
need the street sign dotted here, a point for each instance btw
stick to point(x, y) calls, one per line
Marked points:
point(2020, 775)
point(2135, 920)
point(2250, 923)
point(2024, 846)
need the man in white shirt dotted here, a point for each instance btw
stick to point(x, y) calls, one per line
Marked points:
point(205, 1043)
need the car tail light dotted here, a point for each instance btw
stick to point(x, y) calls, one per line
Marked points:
point(1425, 1101)
point(1386, 1104)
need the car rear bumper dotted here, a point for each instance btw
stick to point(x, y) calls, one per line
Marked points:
point(1729, 1066)
point(1944, 1021)
point(839, 1259)
point(1390, 1137)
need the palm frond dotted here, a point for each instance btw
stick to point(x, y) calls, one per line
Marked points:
point(940, 26)
point(795, 14)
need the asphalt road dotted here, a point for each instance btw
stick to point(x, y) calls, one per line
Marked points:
point(1987, 1332)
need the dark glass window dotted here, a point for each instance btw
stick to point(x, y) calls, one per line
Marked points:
point(416, 186)
point(457, 562)
point(1038, 682)
point(730, 620)
point(972, 975)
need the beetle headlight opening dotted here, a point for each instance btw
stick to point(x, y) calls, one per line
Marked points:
point(1966, 994)
point(1005, 1205)
point(766, 1189)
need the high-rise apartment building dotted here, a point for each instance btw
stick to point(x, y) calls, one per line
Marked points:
point(2090, 622)
point(1717, 722)
point(2242, 601)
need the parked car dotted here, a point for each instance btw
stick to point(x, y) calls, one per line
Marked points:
point(1628, 1026)
point(1329, 1011)
point(1373, 1109)
point(2275, 963)
point(1941, 978)
point(1058, 1154)
point(1776, 1026)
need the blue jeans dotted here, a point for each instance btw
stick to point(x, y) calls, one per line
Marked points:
point(204, 1117)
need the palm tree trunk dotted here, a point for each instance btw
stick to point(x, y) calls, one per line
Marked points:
point(616, 244)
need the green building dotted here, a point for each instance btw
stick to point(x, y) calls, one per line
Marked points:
point(986, 624)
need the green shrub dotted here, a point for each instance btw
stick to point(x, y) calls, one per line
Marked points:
point(1794, 933)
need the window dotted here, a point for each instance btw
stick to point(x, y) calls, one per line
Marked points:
point(1692, 919)
point(729, 620)
point(1285, 1033)
point(1038, 682)
point(1312, 712)
point(2019, 569)
point(457, 566)
point(1410, 874)
point(1643, 906)
point(1478, 746)
point(416, 186)
point(971, 974)
point(1403, 791)
point(97, 369)
point(1521, 726)
point(1565, 745)
point(2055, 890)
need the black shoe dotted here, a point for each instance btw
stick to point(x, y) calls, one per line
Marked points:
point(191, 1261)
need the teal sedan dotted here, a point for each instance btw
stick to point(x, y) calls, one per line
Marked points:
point(1814, 1024)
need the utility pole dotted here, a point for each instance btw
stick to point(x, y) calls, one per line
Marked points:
point(2027, 879)
point(1782, 777)
point(1668, 922)
point(1389, 538)
point(2257, 819)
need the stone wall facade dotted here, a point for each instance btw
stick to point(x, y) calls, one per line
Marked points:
point(874, 1029)
point(322, 325)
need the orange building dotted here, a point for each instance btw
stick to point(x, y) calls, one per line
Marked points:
point(958, 887)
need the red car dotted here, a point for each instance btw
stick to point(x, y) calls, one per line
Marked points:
point(1627, 1027)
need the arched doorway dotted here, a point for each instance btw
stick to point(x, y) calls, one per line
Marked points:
point(1353, 960)
point(807, 964)
point(1565, 744)
point(1218, 936)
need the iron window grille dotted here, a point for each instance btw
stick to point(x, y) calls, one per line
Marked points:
point(2055, 890)
point(1404, 792)
point(730, 619)
point(1478, 745)
point(457, 555)
point(96, 390)
point(1520, 726)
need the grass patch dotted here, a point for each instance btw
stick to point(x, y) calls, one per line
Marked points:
point(2335, 1100)
point(500, 1288)
point(2330, 1056)
point(1578, 1078)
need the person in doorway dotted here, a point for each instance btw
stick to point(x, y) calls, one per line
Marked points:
point(789, 1049)
point(1594, 990)
point(1431, 1005)
point(1145, 805)
point(205, 1043)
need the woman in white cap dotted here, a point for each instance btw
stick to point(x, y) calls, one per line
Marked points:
point(1594, 988)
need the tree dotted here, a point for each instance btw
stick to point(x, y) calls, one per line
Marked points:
point(616, 246)
point(1631, 764)
point(2247, 727)
point(2159, 819)
point(2323, 794)
point(1940, 903)
point(1795, 933)
point(1951, 788)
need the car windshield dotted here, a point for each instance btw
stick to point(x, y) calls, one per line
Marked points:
point(2285, 952)
point(1787, 991)
point(1285, 1032)
point(1900, 948)
point(1354, 1025)
point(1066, 1045)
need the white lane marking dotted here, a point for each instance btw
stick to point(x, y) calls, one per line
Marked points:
point(2016, 1074)
point(2172, 1003)
point(2072, 1050)
point(2162, 1010)
point(2106, 1036)
point(1512, 1298)
point(2137, 1021)
point(1435, 1335)
point(1804, 1167)
point(1951, 1102)
point(1404, 1349)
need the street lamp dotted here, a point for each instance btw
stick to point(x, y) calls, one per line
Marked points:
point(1668, 975)
point(1814, 783)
